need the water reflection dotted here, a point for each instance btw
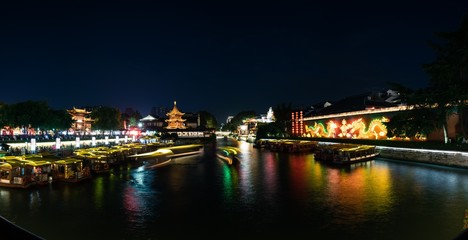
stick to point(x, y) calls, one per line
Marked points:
point(363, 190)
point(268, 194)
point(230, 181)
point(270, 176)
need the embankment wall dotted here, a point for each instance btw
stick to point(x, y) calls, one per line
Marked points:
point(445, 158)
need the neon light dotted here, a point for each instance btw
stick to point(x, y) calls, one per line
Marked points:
point(349, 128)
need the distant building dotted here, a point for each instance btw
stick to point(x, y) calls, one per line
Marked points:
point(151, 123)
point(83, 121)
point(250, 125)
point(175, 120)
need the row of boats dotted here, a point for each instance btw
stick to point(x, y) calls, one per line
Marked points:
point(345, 154)
point(337, 153)
point(38, 169)
point(286, 145)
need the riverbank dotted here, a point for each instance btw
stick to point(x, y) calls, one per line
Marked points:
point(450, 158)
point(447, 158)
point(437, 157)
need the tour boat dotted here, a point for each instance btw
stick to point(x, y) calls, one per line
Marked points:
point(291, 146)
point(98, 161)
point(42, 171)
point(342, 154)
point(64, 169)
point(164, 155)
point(70, 170)
point(16, 174)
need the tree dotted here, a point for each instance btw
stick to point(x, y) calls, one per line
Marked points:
point(412, 124)
point(208, 120)
point(448, 90)
point(35, 114)
point(58, 119)
point(283, 116)
point(270, 130)
point(131, 117)
point(106, 118)
point(238, 119)
point(3, 111)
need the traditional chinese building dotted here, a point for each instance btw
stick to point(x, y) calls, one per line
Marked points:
point(82, 121)
point(175, 120)
point(250, 125)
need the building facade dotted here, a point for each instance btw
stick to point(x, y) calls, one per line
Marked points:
point(82, 120)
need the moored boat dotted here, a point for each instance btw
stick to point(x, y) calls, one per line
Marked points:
point(286, 145)
point(70, 170)
point(97, 161)
point(64, 169)
point(342, 154)
point(42, 171)
point(16, 174)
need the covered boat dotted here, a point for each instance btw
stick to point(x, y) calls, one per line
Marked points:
point(16, 174)
point(342, 154)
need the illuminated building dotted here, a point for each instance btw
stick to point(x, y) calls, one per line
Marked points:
point(82, 121)
point(360, 117)
point(250, 125)
point(175, 120)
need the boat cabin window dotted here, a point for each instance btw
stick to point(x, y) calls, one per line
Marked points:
point(5, 174)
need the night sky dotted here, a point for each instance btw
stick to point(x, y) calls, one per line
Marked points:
point(220, 58)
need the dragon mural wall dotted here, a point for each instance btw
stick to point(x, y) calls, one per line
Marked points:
point(348, 128)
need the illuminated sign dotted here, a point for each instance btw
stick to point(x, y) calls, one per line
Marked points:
point(190, 134)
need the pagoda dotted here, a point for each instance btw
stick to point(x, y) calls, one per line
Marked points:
point(82, 121)
point(175, 120)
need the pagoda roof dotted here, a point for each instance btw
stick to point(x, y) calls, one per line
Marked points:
point(78, 110)
point(175, 110)
point(148, 118)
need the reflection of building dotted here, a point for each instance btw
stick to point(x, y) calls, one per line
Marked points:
point(175, 120)
point(82, 120)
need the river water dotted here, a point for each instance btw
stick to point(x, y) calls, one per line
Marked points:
point(269, 195)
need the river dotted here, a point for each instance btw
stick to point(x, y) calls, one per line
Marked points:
point(269, 195)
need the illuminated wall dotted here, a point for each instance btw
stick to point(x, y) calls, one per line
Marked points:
point(353, 127)
point(366, 124)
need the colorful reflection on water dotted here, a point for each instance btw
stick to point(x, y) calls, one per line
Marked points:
point(269, 194)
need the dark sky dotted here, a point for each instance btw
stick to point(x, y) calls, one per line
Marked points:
point(222, 57)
